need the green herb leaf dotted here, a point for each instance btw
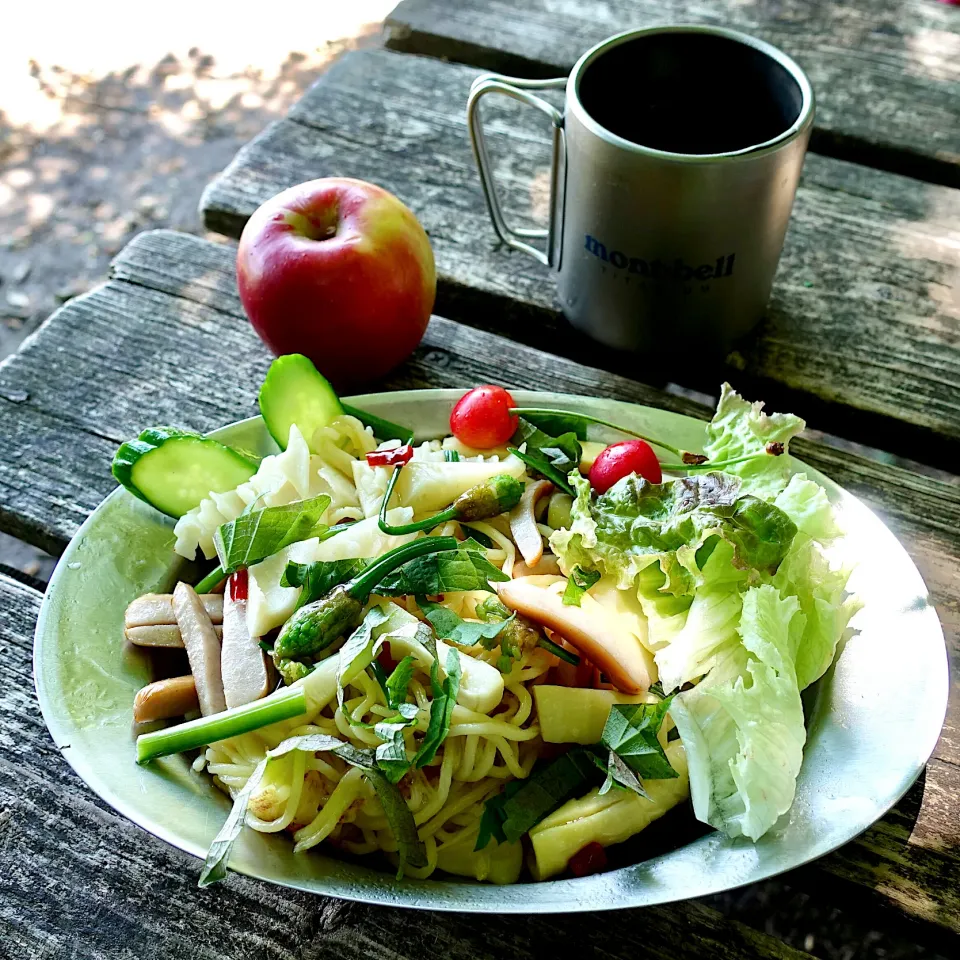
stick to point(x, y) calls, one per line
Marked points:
point(578, 584)
point(255, 536)
point(319, 578)
point(513, 813)
point(618, 773)
point(357, 653)
point(449, 571)
point(399, 681)
point(449, 626)
point(480, 537)
point(451, 456)
point(441, 707)
point(411, 850)
point(554, 457)
point(631, 733)
point(382, 429)
point(392, 753)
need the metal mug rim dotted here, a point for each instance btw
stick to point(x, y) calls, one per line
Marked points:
point(796, 129)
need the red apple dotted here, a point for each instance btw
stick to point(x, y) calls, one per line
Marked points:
point(341, 271)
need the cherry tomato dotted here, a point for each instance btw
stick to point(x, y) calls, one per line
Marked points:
point(482, 419)
point(587, 860)
point(619, 460)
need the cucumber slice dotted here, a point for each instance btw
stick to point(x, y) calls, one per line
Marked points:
point(173, 470)
point(294, 391)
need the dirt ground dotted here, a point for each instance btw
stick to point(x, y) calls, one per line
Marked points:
point(105, 134)
point(101, 139)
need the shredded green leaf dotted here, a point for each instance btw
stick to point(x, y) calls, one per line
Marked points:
point(449, 571)
point(411, 850)
point(524, 803)
point(631, 734)
point(554, 457)
point(357, 652)
point(578, 584)
point(449, 626)
point(253, 537)
point(441, 707)
point(320, 577)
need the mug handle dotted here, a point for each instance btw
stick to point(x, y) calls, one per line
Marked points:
point(517, 88)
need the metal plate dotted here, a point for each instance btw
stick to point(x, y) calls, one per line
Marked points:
point(861, 755)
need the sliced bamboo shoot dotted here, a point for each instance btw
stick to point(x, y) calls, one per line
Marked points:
point(577, 714)
point(591, 628)
point(165, 699)
point(203, 648)
point(612, 818)
point(243, 664)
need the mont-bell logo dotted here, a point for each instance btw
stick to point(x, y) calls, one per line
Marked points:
point(657, 269)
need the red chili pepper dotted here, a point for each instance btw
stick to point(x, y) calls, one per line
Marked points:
point(238, 585)
point(390, 458)
point(587, 860)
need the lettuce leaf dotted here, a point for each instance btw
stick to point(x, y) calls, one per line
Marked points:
point(742, 727)
point(636, 523)
point(807, 574)
point(738, 429)
point(805, 503)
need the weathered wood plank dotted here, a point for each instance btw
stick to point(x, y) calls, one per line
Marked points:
point(79, 880)
point(886, 73)
point(863, 327)
point(144, 349)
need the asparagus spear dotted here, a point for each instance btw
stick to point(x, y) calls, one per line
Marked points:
point(485, 500)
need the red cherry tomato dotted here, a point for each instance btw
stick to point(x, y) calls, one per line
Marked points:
point(482, 419)
point(619, 460)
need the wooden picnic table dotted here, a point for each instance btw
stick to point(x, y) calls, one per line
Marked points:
point(861, 337)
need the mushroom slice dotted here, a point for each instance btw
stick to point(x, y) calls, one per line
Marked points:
point(202, 646)
point(164, 699)
point(523, 522)
point(154, 609)
point(243, 664)
point(594, 630)
point(161, 635)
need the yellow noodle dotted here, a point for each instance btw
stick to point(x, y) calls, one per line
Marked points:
point(502, 541)
point(298, 768)
point(347, 790)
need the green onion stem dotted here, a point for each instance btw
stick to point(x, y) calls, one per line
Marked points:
point(282, 705)
point(363, 585)
point(712, 464)
point(426, 523)
point(211, 581)
point(559, 651)
point(523, 411)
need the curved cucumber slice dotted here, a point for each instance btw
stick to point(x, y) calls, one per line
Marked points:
point(294, 391)
point(173, 470)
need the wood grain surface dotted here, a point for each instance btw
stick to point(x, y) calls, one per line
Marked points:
point(77, 880)
point(150, 347)
point(863, 326)
point(886, 73)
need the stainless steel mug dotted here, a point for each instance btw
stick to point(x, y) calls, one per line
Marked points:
point(675, 164)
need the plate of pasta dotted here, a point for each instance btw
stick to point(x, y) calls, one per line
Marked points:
point(491, 651)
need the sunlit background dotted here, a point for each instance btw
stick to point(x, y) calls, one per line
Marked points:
point(113, 118)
